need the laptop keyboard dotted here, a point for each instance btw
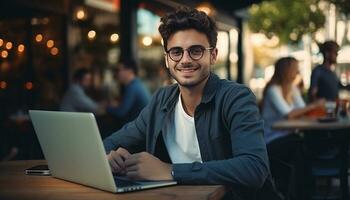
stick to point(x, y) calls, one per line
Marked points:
point(125, 183)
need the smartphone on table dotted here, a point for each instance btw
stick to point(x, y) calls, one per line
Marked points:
point(40, 170)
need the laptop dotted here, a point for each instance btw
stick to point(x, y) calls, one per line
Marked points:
point(74, 151)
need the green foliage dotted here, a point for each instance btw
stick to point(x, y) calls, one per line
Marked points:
point(289, 20)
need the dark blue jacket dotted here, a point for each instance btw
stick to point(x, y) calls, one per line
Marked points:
point(229, 131)
point(326, 82)
point(136, 97)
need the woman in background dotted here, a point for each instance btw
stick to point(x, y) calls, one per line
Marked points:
point(282, 100)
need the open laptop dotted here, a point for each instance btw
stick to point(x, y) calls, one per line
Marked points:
point(74, 151)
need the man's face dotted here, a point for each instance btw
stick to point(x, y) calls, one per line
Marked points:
point(121, 73)
point(187, 71)
point(332, 54)
point(86, 81)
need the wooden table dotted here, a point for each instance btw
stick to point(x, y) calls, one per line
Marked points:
point(340, 128)
point(311, 124)
point(14, 184)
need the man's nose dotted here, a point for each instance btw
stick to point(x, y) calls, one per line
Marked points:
point(186, 58)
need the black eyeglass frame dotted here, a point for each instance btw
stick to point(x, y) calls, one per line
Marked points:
point(203, 49)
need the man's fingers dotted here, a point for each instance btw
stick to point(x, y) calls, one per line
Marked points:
point(113, 163)
point(114, 166)
point(132, 168)
point(133, 175)
point(124, 153)
point(118, 159)
point(132, 160)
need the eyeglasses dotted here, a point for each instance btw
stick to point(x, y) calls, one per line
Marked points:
point(195, 52)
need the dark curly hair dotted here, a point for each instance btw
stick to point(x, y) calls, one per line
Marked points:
point(185, 18)
point(328, 46)
point(79, 74)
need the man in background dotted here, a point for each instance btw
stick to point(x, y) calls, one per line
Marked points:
point(134, 95)
point(324, 82)
point(75, 99)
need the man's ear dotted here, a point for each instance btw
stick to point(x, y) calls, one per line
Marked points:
point(213, 56)
point(166, 61)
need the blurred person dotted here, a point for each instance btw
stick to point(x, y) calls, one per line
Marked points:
point(202, 130)
point(324, 81)
point(135, 96)
point(282, 100)
point(75, 99)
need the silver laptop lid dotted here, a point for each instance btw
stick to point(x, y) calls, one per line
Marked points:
point(73, 148)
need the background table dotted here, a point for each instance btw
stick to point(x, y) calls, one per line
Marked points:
point(340, 128)
point(311, 124)
point(14, 184)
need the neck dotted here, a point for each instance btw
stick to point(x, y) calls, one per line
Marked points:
point(286, 90)
point(129, 79)
point(192, 96)
point(327, 64)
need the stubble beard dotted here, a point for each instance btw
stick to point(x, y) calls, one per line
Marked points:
point(193, 84)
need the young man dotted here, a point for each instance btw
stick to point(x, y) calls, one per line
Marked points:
point(202, 130)
point(324, 82)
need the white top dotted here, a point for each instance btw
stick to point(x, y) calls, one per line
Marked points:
point(180, 137)
point(276, 108)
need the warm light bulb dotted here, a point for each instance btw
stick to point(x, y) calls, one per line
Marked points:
point(20, 48)
point(54, 51)
point(9, 45)
point(4, 54)
point(147, 41)
point(91, 34)
point(114, 37)
point(3, 85)
point(28, 85)
point(39, 37)
point(50, 43)
point(80, 14)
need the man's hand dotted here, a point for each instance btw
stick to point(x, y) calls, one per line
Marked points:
point(117, 159)
point(144, 166)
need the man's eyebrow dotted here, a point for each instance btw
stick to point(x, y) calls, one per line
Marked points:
point(175, 47)
point(185, 48)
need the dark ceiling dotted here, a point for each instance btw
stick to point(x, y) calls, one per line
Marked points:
point(32, 8)
point(25, 8)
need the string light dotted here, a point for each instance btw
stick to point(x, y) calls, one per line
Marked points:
point(207, 8)
point(39, 37)
point(9, 45)
point(1, 42)
point(50, 43)
point(3, 84)
point(4, 54)
point(54, 51)
point(80, 14)
point(147, 41)
point(20, 48)
point(114, 37)
point(91, 34)
point(29, 85)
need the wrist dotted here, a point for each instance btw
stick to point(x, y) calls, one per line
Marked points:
point(170, 172)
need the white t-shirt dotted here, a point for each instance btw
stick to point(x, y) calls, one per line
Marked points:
point(180, 137)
